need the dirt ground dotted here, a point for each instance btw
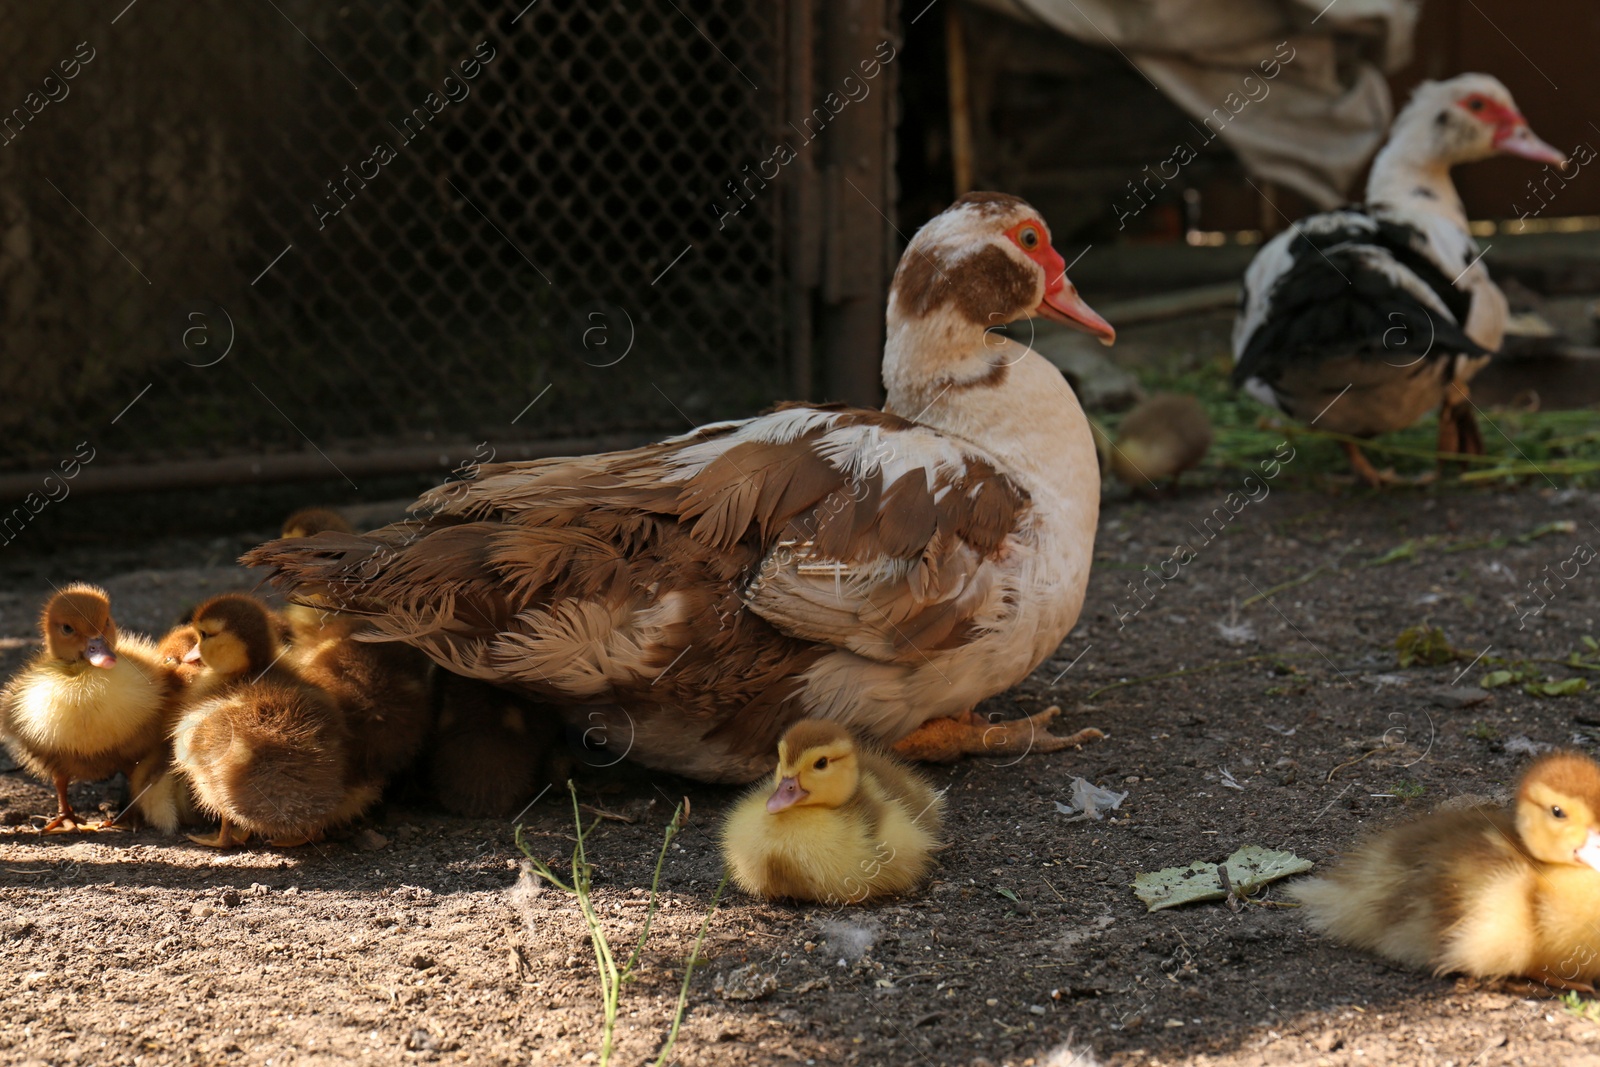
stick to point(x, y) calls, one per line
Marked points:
point(421, 939)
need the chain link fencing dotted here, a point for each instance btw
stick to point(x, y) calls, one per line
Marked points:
point(282, 226)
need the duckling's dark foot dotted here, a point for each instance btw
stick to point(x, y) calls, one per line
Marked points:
point(969, 734)
point(296, 841)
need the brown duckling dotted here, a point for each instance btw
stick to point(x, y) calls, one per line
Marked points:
point(1160, 439)
point(1480, 891)
point(265, 751)
point(492, 750)
point(382, 688)
point(179, 652)
point(93, 702)
point(844, 823)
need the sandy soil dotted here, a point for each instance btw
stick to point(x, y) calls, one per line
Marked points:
point(421, 939)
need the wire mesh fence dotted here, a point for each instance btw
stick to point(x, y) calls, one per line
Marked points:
point(279, 226)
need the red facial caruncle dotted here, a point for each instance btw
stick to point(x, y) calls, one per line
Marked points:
point(1061, 301)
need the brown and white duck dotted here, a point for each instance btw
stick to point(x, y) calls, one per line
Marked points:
point(1363, 320)
point(687, 601)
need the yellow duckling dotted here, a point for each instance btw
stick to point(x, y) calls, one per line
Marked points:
point(845, 824)
point(1481, 891)
point(1160, 439)
point(309, 521)
point(311, 623)
point(93, 702)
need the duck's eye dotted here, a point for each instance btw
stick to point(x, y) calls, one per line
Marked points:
point(1555, 809)
point(1028, 238)
point(821, 764)
point(66, 628)
point(1475, 104)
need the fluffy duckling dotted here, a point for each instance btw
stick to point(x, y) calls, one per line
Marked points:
point(265, 751)
point(308, 623)
point(308, 521)
point(93, 702)
point(1481, 891)
point(168, 799)
point(492, 750)
point(845, 824)
point(179, 652)
point(382, 690)
point(1160, 439)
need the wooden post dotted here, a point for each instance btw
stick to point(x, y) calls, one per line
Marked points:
point(858, 198)
point(804, 223)
point(1272, 222)
point(955, 43)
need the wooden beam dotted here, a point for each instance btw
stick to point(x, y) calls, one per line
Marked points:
point(105, 478)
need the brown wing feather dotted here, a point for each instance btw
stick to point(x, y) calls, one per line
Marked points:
point(639, 579)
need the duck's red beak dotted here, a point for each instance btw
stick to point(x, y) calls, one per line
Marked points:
point(1063, 304)
point(1061, 301)
point(1516, 138)
point(786, 795)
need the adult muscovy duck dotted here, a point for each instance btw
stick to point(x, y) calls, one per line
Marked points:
point(687, 601)
point(1363, 320)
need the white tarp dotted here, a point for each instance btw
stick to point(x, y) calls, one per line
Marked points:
point(1295, 87)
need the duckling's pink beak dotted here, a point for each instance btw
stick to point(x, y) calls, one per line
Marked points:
point(786, 795)
point(1590, 852)
point(193, 655)
point(98, 653)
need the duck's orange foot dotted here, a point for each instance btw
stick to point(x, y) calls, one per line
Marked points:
point(969, 734)
point(65, 822)
point(70, 822)
point(128, 819)
point(1546, 986)
point(1363, 470)
point(226, 836)
point(1458, 429)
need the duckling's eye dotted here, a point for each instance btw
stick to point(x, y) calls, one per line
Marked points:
point(821, 764)
point(1555, 809)
point(1028, 238)
point(66, 629)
